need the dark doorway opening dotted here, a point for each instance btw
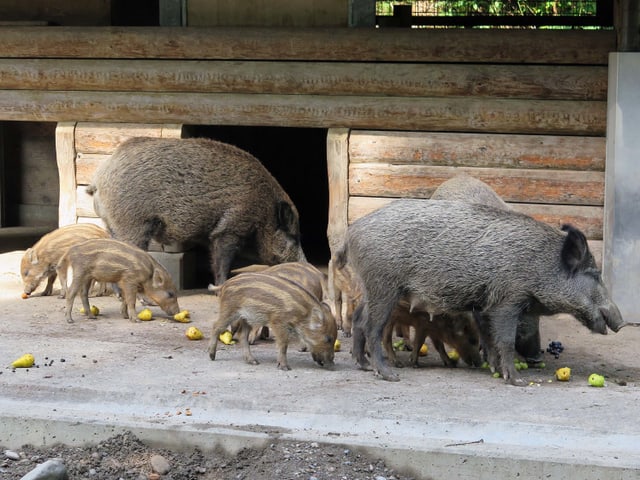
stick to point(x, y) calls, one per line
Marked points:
point(297, 158)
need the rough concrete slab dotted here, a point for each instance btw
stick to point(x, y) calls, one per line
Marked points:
point(147, 376)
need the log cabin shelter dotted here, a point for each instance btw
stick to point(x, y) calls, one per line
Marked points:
point(347, 109)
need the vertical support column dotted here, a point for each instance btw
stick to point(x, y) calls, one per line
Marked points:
point(66, 158)
point(621, 262)
point(338, 173)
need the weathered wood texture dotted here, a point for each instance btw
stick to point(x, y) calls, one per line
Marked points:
point(564, 82)
point(80, 148)
point(404, 113)
point(330, 44)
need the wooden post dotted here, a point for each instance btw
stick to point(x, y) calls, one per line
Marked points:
point(338, 170)
point(66, 158)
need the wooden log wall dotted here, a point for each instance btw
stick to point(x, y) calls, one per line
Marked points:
point(525, 110)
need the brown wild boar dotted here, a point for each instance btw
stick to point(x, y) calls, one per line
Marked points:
point(196, 190)
point(250, 300)
point(39, 262)
point(459, 331)
point(132, 269)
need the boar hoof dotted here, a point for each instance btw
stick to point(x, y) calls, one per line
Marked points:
point(387, 375)
point(284, 367)
point(516, 381)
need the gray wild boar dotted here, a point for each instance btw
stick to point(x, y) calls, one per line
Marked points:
point(112, 261)
point(196, 191)
point(39, 262)
point(250, 300)
point(459, 331)
point(466, 188)
point(447, 257)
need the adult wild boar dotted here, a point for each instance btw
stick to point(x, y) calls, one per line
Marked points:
point(450, 256)
point(200, 191)
point(466, 188)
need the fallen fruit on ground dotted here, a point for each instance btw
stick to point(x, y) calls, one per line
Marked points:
point(454, 355)
point(423, 350)
point(94, 310)
point(563, 374)
point(596, 380)
point(25, 361)
point(183, 316)
point(193, 333)
point(24, 295)
point(145, 315)
point(226, 337)
point(337, 345)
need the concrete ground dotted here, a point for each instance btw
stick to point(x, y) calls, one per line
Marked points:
point(95, 378)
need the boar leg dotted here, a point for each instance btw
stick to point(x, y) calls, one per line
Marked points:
point(243, 338)
point(504, 325)
point(359, 337)
point(223, 251)
point(439, 346)
point(420, 336)
point(84, 296)
point(128, 302)
point(379, 314)
point(282, 342)
point(49, 288)
point(387, 341)
point(72, 291)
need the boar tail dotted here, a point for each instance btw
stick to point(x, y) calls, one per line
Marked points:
point(91, 189)
point(214, 288)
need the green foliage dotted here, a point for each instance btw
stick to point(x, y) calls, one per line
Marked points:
point(492, 7)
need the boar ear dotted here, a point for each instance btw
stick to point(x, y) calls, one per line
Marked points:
point(32, 256)
point(158, 279)
point(575, 249)
point(286, 217)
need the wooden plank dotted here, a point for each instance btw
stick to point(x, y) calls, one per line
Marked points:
point(588, 219)
point(513, 185)
point(478, 150)
point(337, 162)
point(66, 155)
point(86, 164)
point(302, 78)
point(331, 44)
point(94, 220)
point(406, 113)
point(103, 138)
point(84, 205)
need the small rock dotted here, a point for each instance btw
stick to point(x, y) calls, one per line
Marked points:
point(52, 469)
point(160, 464)
point(380, 477)
point(11, 455)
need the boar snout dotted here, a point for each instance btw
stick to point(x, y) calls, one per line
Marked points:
point(324, 359)
point(612, 317)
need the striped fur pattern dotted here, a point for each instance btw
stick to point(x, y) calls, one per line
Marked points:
point(346, 291)
point(112, 261)
point(39, 262)
point(459, 331)
point(252, 300)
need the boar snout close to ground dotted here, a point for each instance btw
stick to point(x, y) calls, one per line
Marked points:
point(40, 261)
point(132, 269)
point(196, 191)
point(251, 300)
point(447, 257)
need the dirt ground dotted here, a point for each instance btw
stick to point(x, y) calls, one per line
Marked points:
point(124, 456)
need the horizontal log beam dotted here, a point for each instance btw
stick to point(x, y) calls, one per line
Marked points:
point(587, 219)
point(332, 44)
point(101, 138)
point(513, 185)
point(307, 78)
point(478, 150)
point(398, 113)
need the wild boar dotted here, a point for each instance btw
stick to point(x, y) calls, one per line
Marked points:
point(346, 291)
point(447, 257)
point(250, 300)
point(196, 191)
point(466, 188)
point(39, 262)
point(459, 331)
point(108, 260)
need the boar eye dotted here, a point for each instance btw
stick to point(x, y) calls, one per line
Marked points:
point(329, 339)
point(171, 294)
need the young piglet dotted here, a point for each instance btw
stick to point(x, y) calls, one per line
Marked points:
point(251, 300)
point(459, 331)
point(132, 269)
point(39, 262)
